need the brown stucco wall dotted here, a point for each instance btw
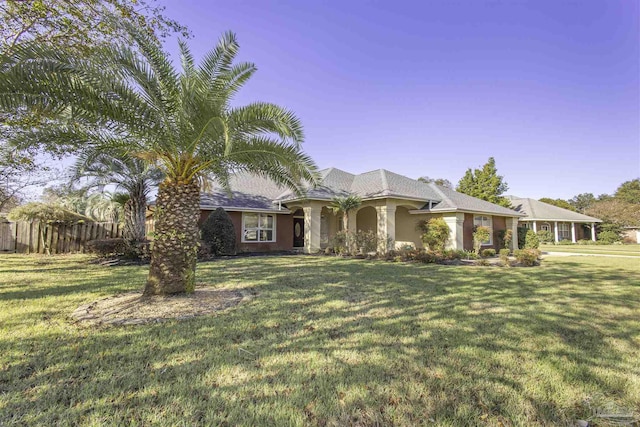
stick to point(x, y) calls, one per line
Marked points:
point(499, 224)
point(284, 233)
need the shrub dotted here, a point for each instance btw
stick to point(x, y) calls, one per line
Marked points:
point(565, 242)
point(218, 233)
point(435, 233)
point(586, 242)
point(486, 253)
point(527, 257)
point(482, 262)
point(545, 236)
point(365, 241)
point(108, 247)
point(426, 257)
point(338, 243)
point(480, 235)
point(450, 254)
point(608, 237)
point(522, 236)
point(505, 237)
point(531, 240)
point(469, 255)
point(504, 257)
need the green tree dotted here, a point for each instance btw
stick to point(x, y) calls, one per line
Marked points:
point(130, 174)
point(561, 203)
point(616, 211)
point(80, 25)
point(582, 201)
point(485, 184)
point(435, 233)
point(182, 122)
point(629, 191)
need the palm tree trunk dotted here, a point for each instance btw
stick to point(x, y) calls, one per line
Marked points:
point(134, 218)
point(175, 245)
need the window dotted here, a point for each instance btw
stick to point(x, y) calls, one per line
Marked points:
point(564, 231)
point(484, 221)
point(258, 227)
point(545, 227)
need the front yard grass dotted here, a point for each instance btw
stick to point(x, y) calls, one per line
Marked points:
point(627, 250)
point(328, 341)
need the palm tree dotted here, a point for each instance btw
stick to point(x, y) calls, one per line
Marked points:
point(131, 174)
point(181, 122)
point(345, 205)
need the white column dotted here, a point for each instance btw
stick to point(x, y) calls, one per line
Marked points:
point(312, 228)
point(386, 226)
point(573, 232)
point(512, 224)
point(555, 230)
point(456, 230)
point(535, 226)
point(593, 231)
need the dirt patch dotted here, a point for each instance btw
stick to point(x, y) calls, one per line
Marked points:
point(133, 308)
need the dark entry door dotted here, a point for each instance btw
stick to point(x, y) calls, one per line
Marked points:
point(298, 232)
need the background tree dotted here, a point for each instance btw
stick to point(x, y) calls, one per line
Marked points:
point(180, 121)
point(629, 191)
point(582, 201)
point(438, 181)
point(128, 173)
point(561, 203)
point(485, 184)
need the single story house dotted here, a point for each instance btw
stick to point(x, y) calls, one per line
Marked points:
point(269, 218)
point(563, 223)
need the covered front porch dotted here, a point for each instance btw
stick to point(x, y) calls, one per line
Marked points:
point(393, 221)
point(563, 230)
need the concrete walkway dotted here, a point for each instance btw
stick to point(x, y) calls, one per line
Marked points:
point(586, 254)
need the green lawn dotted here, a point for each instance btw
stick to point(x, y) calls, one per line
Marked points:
point(328, 341)
point(628, 250)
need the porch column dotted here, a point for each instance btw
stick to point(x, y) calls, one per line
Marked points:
point(593, 231)
point(312, 228)
point(456, 230)
point(386, 226)
point(573, 232)
point(535, 226)
point(512, 224)
point(555, 230)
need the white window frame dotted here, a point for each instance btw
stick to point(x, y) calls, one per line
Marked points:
point(488, 224)
point(545, 227)
point(259, 228)
point(564, 227)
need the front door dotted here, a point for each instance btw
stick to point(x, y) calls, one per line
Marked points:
point(298, 232)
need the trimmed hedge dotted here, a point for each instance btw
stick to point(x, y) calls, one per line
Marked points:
point(218, 233)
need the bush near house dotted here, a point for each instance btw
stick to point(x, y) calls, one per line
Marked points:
point(545, 236)
point(488, 253)
point(531, 240)
point(480, 234)
point(527, 257)
point(218, 233)
point(435, 233)
point(522, 236)
point(504, 238)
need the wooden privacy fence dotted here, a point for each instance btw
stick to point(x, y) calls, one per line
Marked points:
point(36, 237)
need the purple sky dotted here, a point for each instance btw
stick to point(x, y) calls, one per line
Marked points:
point(551, 89)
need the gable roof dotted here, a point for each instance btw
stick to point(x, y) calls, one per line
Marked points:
point(537, 210)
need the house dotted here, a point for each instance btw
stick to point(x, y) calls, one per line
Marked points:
point(269, 218)
point(562, 223)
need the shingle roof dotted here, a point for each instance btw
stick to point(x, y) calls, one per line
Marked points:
point(452, 200)
point(248, 192)
point(252, 192)
point(535, 209)
point(369, 185)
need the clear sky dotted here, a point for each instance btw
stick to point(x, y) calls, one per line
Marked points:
point(551, 89)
